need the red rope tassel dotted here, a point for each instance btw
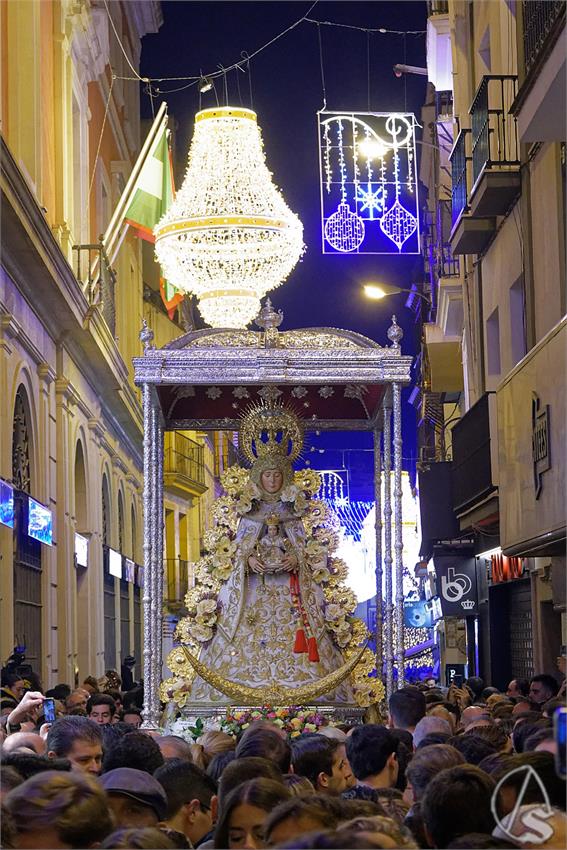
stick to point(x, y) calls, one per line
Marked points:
point(300, 642)
point(313, 654)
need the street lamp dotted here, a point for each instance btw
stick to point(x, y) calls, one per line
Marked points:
point(377, 291)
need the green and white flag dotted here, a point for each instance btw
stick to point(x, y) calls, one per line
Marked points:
point(154, 189)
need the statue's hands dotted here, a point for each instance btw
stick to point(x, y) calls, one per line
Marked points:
point(289, 563)
point(256, 564)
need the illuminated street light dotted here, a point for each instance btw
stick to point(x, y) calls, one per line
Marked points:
point(377, 291)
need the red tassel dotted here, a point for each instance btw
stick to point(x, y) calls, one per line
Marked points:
point(313, 651)
point(300, 641)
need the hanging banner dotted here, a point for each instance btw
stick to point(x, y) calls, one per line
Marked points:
point(369, 198)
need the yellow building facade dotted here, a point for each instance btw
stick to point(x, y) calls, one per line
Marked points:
point(70, 416)
point(495, 344)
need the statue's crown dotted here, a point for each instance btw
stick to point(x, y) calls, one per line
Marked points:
point(270, 430)
point(273, 519)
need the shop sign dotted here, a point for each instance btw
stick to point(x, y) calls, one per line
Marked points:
point(540, 442)
point(456, 583)
point(506, 569)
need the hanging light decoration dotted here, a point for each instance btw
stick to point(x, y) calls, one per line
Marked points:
point(229, 236)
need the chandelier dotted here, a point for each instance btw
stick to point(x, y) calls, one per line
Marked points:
point(228, 237)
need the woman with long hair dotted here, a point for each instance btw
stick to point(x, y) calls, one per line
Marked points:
point(241, 821)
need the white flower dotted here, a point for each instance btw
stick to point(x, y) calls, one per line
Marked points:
point(300, 503)
point(201, 633)
point(213, 392)
point(333, 612)
point(243, 505)
point(289, 493)
point(206, 606)
point(342, 638)
point(223, 570)
point(321, 574)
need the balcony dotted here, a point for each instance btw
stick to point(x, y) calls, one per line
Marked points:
point(495, 147)
point(438, 47)
point(540, 104)
point(98, 280)
point(474, 490)
point(184, 467)
point(469, 235)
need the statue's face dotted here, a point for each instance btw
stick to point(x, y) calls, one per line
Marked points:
point(271, 480)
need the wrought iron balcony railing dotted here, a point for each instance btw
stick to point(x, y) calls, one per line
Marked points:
point(540, 19)
point(177, 581)
point(437, 7)
point(98, 280)
point(494, 135)
point(185, 457)
point(459, 192)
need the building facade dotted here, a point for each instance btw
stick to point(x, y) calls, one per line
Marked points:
point(493, 356)
point(70, 416)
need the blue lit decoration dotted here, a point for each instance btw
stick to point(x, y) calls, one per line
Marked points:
point(334, 491)
point(369, 199)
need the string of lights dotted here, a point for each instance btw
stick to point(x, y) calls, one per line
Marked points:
point(194, 79)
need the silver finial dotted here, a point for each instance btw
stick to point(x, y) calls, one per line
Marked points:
point(395, 333)
point(267, 318)
point(146, 337)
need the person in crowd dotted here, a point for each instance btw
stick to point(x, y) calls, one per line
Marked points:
point(24, 742)
point(457, 801)
point(29, 764)
point(381, 831)
point(296, 817)
point(133, 717)
point(117, 697)
point(542, 688)
point(429, 725)
point(518, 688)
point(58, 809)
point(371, 752)
point(433, 738)
point(9, 779)
point(11, 691)
point(473, 747)
point(549, 708)
point(495, 735)
point(522, 706)
point(90, 685)
point(218, 764)
point(445, 712)
point(28, 707)
point(243, 770)
point(135, 750)
point(476, 686)
point(523, 731)
point(423, 767)
point(324, 762)
point(79, 740)
point(191, 799)
point(263, 742)
point(174, 747)
point(299, 786)
point(101, 708)
point(147, 838)
point(210, 744)
point(406, 706)
point(244, 811)
point(474, 714)
point(135, 798)
point(541, 741)
point(126, 672)
point(332, 732)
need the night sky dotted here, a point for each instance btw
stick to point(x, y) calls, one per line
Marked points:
point(323, 290)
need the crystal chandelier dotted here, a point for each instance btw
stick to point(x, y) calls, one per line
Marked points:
point(229, 237)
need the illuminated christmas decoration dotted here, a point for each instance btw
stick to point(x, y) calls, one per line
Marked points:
point(369, 201)
point(229, 236)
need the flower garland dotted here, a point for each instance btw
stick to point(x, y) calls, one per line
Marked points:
point(321, 540)
point(293, 719)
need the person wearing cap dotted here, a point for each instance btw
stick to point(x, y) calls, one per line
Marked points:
point(135, 798)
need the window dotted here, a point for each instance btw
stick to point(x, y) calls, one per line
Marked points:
point(493, 344)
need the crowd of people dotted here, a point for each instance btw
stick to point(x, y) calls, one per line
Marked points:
point(464, 767)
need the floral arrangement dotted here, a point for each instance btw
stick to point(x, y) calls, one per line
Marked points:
point(294, 720)
point(322, 538)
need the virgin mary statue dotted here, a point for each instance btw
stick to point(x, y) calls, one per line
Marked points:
point(270, 618)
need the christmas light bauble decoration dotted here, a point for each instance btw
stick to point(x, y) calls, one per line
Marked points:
point(229, 237)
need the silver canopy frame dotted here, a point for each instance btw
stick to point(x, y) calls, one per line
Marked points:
point(342, 380)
